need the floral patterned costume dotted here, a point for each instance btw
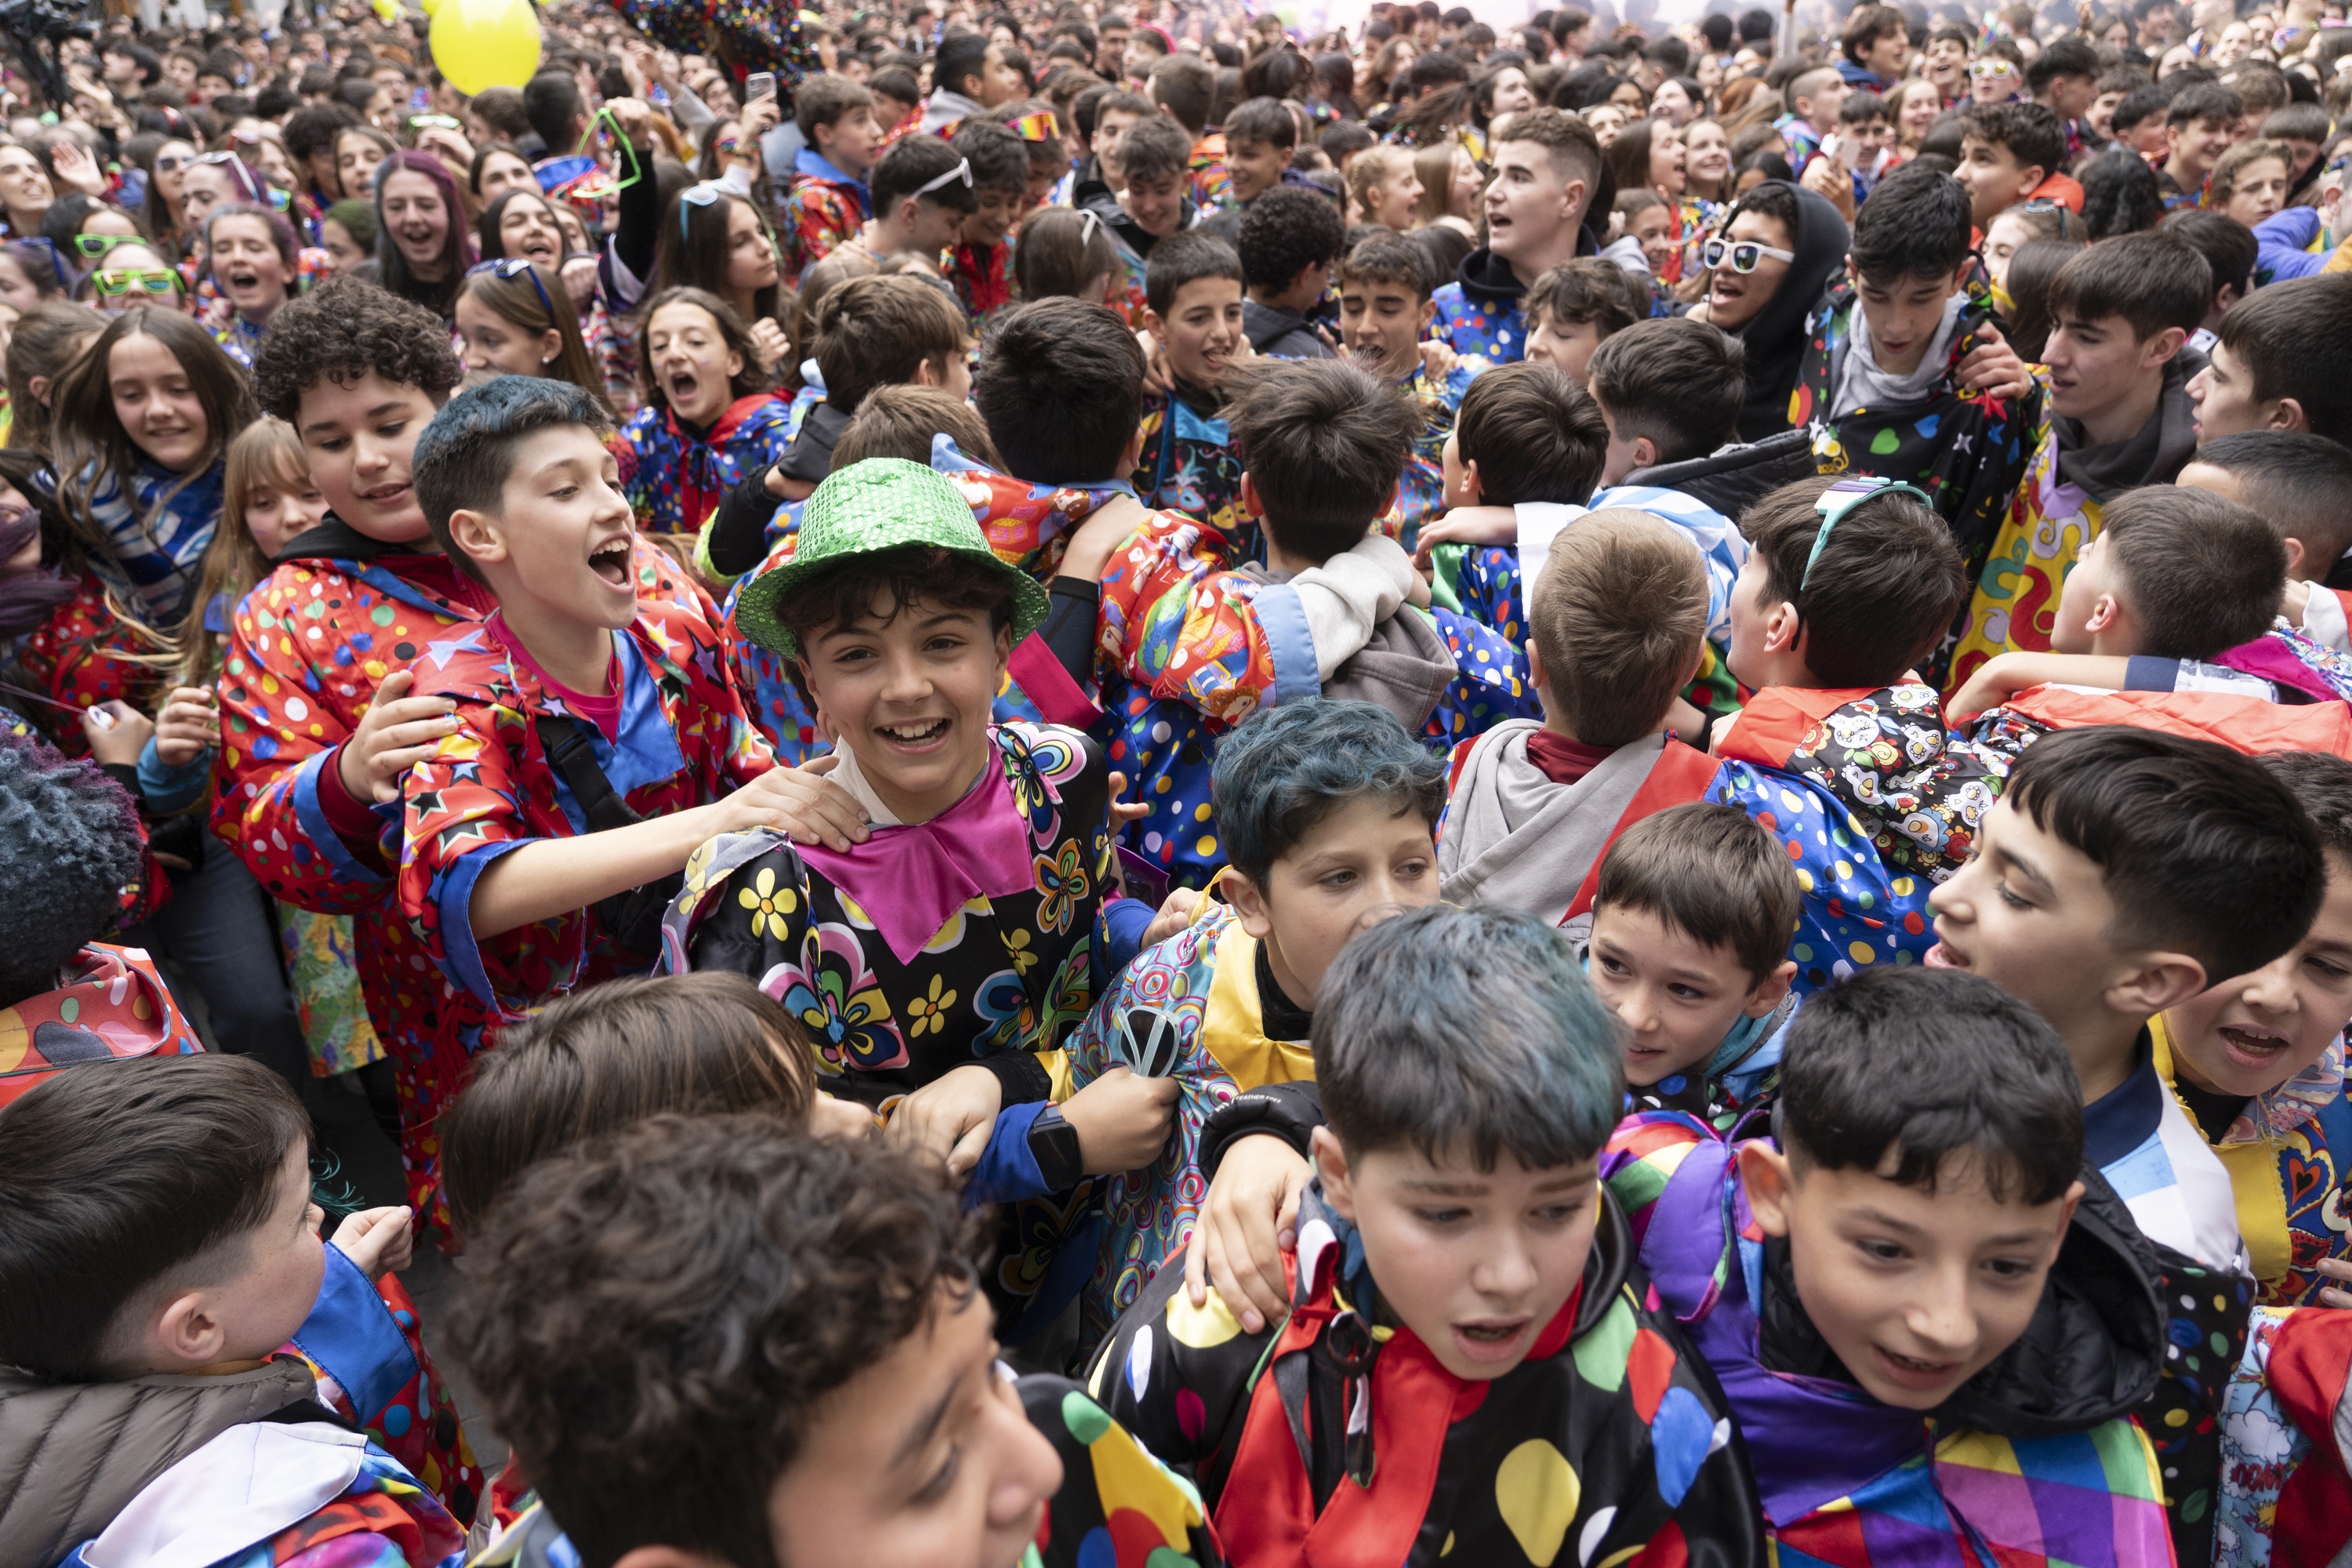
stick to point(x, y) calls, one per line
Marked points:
point(681, 477)
point(1005, 887)
point(683, 739)
point(983, 277)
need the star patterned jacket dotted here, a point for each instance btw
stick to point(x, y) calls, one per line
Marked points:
point(683, 740)
point(308, 648)
point(1610, 1443)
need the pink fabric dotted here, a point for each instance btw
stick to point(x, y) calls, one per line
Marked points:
point(2270, 658)
point(910, 880)
point(604, 711)
point(1059, 699)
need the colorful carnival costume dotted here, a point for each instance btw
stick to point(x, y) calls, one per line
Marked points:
point(1849, 1482)
point(1876, 806)
point(1192, 1008)
point(1187, 463)
point(307, 649)
point(1965, 450)
point(1608, 1443)
point(677, 737)
point(682, 473)
point(1421, 493)
point(110, 1004)
point(825, 210)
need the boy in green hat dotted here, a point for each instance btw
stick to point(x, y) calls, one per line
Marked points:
point(940, 961)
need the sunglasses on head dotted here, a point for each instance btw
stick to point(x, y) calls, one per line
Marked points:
point(962, 171)
point(1744, 254)
point(97, 245)
point(1983, 71)
point(439, 121)
point(513, 267)
point(113, 281)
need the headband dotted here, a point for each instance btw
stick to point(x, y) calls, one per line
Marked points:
point(1842, 498)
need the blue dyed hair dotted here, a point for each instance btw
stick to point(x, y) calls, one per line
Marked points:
point(462, 457)
point(1466, 1032)
point(71, 839)
point(1288, 768)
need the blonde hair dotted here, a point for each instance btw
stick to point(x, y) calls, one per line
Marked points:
point(1435, 166)
point(1374, 167)
point(266, 454)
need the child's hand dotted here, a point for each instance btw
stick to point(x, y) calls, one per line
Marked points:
point(116, 739)
point(395, 733)
point(1467, 525)
point(1098, 539)
point(768, 341)
point(759, 117)
point(380, 1241)
point(1248, 1219)
point(2295, 600)
point(952, 1117)
point(2335, 1295)
point(1158, 379)
point(1723, 732)
point(830, 1116)
point(188, 727)
point(1175, 915)
point(1122, 1120)
point(1827, 178)
point(1122, 810)
point(1993, 367)
point(1438, 358)
point(800, 802)
point(635, 120)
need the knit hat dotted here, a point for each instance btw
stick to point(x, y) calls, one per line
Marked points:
point(882, 503)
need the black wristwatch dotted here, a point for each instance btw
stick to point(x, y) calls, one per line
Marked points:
point(1053, 1144)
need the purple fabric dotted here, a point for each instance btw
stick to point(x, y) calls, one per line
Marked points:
point(1811, 1439)
point(910, 880)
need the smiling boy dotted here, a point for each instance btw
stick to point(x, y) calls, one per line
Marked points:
point(571, 681)
point(2117, 416)
point(1470, 1362)
point(1545, 174)
point(1384, 309)
point(2013, 152)
point(319, 720)
point(1914, 1298)
point(981, 266)
point(1905, 375)
point(2199, 126)
point(2121, 871)
point(2258, 1062)
point(1187, 462)
point(938, 944)
point(1325, 811)
point(1689, 943)
point(1152, 158)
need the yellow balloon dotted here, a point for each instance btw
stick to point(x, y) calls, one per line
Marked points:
point(480, 44)
point(429, 5)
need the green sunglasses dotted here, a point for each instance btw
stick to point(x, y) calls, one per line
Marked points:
point(97, 245)
point(113, 281)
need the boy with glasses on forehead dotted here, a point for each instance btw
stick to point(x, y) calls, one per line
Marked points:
point(922, 190)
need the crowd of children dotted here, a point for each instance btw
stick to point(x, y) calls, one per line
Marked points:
point(1094, 788)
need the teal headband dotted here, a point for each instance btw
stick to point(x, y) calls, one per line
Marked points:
point(1842, 498)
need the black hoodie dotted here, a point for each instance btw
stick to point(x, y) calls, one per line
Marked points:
point(1775, 336)
point(1484, 275)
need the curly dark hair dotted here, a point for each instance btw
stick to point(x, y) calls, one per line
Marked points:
point(343, 330)
point(654, 1315)
point(71, 839)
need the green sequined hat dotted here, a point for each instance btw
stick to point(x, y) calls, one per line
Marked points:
point(883, 503)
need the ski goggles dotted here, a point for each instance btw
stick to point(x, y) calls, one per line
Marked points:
point(1740, 255)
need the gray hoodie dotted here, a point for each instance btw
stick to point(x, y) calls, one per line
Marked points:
point(1512, 837)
